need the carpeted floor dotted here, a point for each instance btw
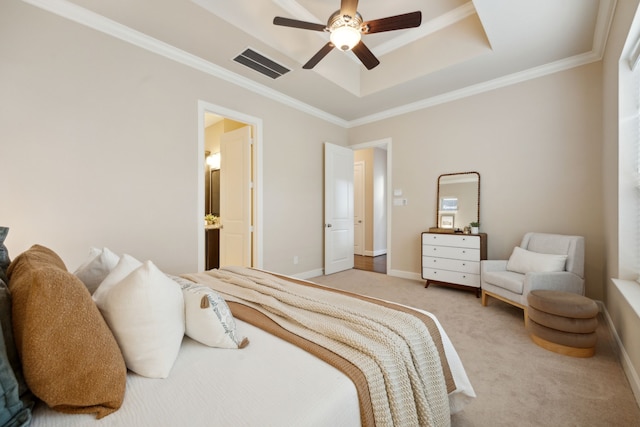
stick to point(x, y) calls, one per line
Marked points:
point(517, 382)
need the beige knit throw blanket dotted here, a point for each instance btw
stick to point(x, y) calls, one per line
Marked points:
point(393, 349)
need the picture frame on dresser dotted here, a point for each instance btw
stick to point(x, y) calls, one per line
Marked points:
point(447, 220)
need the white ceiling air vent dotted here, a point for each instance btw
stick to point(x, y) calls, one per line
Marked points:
point(261, 64)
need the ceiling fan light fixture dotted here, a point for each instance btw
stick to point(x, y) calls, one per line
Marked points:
point(346, 28)
point(345, 37)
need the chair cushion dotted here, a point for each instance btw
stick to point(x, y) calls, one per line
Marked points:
point(509, 280)
point(548, 243)
point(524, 261)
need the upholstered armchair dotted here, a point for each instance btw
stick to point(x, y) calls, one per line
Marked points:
point(542, 261)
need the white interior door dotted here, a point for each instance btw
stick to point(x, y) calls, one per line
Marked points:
point(358, 212)
point(235, 197)
point(338, 208)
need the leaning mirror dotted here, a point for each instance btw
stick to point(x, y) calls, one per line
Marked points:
point(458, 200)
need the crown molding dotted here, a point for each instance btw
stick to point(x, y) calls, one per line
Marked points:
point(601, 33)
point(532, 73)
point(107, 26)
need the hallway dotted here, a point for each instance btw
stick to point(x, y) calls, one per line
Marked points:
point(377, 264)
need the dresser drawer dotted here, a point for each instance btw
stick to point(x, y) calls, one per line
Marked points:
point(451, 264)
point(451, 252)
point(467, 279)
point(455, 240)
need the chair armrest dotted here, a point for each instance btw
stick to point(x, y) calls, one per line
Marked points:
point(564, 281)
point(493, 265)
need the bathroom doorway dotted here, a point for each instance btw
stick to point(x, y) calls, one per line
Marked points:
point(230, 190)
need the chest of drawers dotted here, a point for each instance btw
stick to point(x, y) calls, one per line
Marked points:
point(453, 259)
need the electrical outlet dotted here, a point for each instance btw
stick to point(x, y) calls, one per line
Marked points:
point(295, 259)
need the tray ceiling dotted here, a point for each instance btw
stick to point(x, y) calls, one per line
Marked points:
point(462, 47)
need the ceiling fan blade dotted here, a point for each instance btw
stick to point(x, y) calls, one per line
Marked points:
point(365, 56)
point(318, 56)
point(398, 22)
point(286, 22)
point(349, 7)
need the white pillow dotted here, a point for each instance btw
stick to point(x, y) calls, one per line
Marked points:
point(524, 261)
point(145, 312)
point(125, 266)
point(97, 266)
point(208, 317)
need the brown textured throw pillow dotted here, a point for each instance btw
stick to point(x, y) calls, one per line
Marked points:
point(70, 359)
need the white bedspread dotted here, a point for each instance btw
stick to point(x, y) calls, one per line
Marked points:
point(268, 383)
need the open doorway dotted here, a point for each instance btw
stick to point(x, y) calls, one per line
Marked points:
point(229, 188)
point(339, 209)
point(372, 186)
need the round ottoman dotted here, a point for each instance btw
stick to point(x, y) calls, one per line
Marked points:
point(563, 322)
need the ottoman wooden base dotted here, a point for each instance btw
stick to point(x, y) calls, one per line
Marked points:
point(563, 349)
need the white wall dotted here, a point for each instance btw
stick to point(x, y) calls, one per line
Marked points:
point(98, 141)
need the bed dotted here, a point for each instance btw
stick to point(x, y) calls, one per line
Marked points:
point(256, 378)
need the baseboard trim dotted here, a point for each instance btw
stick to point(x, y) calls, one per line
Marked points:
point(627, 366)
point(375, 253)
point(309, 274)
point(405, 274)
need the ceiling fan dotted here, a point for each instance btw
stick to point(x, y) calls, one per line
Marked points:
point(347, 27)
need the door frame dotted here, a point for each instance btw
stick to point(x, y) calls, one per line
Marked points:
point(360, 190)
point(256, 200)
point(387, 144)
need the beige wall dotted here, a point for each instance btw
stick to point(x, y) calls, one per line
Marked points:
point(99, 140)
point(212, 136)
point(537, 147)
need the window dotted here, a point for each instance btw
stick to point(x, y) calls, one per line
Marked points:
point(629, 165)
point(449, 204)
